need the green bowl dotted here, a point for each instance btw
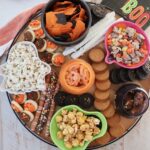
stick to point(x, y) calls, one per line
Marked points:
point(54, 129)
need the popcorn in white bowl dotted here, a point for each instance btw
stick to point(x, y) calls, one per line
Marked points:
point(23, 71)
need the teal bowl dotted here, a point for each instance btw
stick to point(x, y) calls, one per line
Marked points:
point(54, 129)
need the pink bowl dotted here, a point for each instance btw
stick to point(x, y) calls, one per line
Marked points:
point(110, 60)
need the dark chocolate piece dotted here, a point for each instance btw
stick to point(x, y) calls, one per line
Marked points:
point(60, 98)
point(123, 75)
point(86, 100)
point(39, 43)
point(28, 36)
point(71, 99)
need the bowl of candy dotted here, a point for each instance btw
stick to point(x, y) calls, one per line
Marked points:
point(126, 45)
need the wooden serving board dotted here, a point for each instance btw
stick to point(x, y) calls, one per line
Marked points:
point(127, 123)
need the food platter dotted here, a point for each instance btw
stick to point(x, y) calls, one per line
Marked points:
point(126, 122)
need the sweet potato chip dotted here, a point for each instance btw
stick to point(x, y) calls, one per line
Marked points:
point(78, 30)
point(59, 29)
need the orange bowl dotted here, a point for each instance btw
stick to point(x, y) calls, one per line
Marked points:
point(76, 89)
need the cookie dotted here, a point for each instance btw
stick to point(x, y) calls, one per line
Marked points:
point(99, 67)
point(117, 131)
point(114, 76)
point(109, 112)
point(99, 105)
point(114, 120)
point(140, 74)
point(131, 75)
point(101, 95)
point(104, 139)
point(102, 76)
point(96, 55)
point(103, 86)
point(123, 75)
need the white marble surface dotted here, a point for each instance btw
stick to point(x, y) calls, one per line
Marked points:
point(13, 136)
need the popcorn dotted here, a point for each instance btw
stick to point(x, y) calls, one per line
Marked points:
point(24, 71)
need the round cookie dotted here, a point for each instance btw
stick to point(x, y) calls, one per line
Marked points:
point(102, 75)
point(117, 131)
point(99, 67)
point(102, 95)
point(114, 120)
point(96, 55)
point(101, 105)
point(104, 139)
point(103, 86)
point(109, 112)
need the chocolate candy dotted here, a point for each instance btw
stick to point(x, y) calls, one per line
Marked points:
point(86, 100)
point(71, 99)
point(60, 98)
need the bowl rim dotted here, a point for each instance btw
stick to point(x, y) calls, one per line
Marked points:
point(141, 31)
point(44, 10)
point(95, 113)
point(147, 99)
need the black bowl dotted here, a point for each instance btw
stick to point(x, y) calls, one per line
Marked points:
point(47, 8)
point(120, 98)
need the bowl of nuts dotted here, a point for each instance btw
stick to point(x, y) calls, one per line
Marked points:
point(73, 128)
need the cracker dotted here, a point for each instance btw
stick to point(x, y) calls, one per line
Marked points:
point(103, 86)
point(117, 131)
point(102, 76)
point(109, 112)
point(104, 139)
point(102, 95)
point(101, 105)
point(114, 120)
point(96, 55)
point(99, 67)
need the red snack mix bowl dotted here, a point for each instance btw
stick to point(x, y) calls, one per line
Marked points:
point(126, 45)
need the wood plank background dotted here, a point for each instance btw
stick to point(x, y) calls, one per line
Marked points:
point(13, 136)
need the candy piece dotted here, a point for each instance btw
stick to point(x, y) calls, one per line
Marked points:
point(71, 99)
point(39, 33)
point(60, 98)
point(34, 25)
point(30, 105)
point(41, 44)
point(20, 98)
point(33, 95)
point(58, 59)
point(86, 100)
point(26, 116)
point(51, 47)
point(16, 107)
point(29, 35)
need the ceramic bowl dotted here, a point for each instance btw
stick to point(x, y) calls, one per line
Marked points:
point(54, 129)
point(88, 23)
point(110, 60)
